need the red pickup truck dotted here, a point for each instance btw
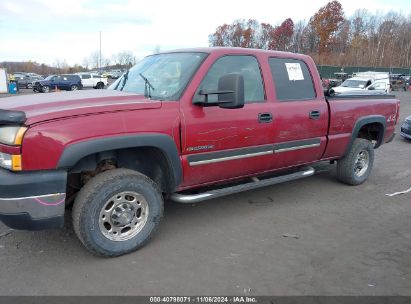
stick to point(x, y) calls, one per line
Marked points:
point(187, 125)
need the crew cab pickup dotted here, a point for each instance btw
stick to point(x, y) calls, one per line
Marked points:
point(186, 125)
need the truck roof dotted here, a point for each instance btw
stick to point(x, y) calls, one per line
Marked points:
point(238, 50)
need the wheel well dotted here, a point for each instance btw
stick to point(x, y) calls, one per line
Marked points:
point(149, 161)
point(373, 132)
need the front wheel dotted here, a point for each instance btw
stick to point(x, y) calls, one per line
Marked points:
point(117, 212)
point(45, 89)
point(356, 166)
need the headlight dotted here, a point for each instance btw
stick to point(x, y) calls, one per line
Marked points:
point(12, 135)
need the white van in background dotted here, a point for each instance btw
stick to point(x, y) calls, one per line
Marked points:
point(374, 81)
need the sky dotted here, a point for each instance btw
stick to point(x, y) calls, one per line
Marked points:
point(47, 31)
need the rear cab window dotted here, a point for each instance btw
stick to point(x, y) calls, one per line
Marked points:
point(292, 79)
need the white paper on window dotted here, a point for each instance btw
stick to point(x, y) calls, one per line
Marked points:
point(294, 71)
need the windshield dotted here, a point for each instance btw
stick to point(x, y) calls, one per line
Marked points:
point(167, 74)
point(49, 77)
point(354, 83)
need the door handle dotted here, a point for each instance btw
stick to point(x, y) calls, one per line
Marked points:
point(315, 114)
point(265, 117)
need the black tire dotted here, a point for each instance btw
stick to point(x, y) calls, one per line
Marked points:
point(74, 87)
point(93, 197)
point(100, 86)
point(45, 89)
point(351, 169)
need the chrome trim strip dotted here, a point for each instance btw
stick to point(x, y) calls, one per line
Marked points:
point(217, 160)
point(296, 148)
point(30, 197)
point(37, 207)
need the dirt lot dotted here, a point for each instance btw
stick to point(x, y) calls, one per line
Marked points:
point(342, 240)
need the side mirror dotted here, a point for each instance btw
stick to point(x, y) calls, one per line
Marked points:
point(230, 92)
point(235, 84)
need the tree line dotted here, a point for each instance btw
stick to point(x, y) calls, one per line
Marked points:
point(363, 39)
point(121, 60)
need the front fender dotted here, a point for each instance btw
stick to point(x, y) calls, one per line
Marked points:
point(75, 152)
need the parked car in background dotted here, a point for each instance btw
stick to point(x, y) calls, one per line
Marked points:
point(117, 74)
point(373, 81)
point(25, 80)
point(398, 82)
point(91, 80)
point(61, 82)
point(338, 79)
point(406, 128)
point(113, 74)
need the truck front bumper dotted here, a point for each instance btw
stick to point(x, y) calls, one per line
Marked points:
point(32, 200)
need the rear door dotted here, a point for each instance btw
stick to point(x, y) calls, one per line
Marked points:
point(220, 144)
point(300, 114)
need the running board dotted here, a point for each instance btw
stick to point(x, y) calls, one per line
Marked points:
point(256, 183)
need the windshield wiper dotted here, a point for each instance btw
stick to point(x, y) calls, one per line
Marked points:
point(147, 86)
point(125, 78)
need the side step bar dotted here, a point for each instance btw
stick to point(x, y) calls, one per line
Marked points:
point(195, 198)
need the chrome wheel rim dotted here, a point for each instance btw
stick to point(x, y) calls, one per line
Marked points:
point(362, 162)
point(123, 216)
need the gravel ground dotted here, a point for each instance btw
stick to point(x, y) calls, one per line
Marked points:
point(308, 237)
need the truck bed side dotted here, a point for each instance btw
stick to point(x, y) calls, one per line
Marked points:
point(348, 115)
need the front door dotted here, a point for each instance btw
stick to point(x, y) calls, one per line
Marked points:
point(219, 144)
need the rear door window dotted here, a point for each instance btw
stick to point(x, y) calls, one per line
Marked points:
point(292, 79)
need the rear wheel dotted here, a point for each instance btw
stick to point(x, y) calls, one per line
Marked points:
point(356, 166)
point(73, 88)
point(45, 89)
point(100, 85)
point(117, 212)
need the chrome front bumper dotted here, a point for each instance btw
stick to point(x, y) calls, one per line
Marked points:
point(32, 200)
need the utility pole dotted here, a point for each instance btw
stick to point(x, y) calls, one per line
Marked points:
point(100, 56)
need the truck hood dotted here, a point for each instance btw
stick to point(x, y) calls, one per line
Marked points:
point(40, 107)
